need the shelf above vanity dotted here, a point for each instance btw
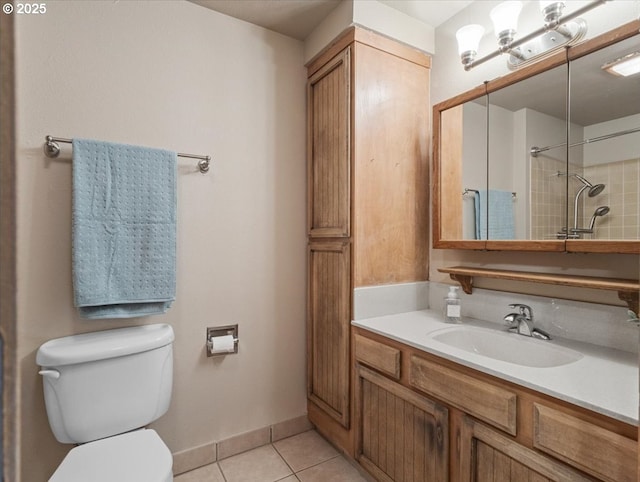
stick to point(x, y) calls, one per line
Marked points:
point(628, 290)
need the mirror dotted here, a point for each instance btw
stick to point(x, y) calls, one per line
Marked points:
point(526, 197)
point(464, 158)
point(604, 184)
point(504, 177)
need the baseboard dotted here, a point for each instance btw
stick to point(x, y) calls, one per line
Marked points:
point(193, 458)
point(290, 427)
point(243, 442)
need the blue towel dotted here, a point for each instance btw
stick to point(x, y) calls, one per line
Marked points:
point(123, 229)
point(499, 224)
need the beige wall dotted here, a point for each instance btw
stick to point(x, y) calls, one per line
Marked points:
point(174, 75)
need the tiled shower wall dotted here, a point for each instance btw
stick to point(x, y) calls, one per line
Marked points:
point(548, 201)
point(621, 194)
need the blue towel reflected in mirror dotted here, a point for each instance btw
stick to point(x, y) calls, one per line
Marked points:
point(494, 214)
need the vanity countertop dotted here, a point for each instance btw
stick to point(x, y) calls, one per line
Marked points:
point(603, 380)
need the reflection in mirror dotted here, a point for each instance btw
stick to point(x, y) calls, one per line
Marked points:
point(527, 194)
point(552, 166)
point(463, 158)
point(604, 173)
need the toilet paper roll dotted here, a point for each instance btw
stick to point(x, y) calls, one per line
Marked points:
point(222, 344)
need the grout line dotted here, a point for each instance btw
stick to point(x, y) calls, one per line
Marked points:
point(222, 472)
point(284, 460)
point(338, 454)
point(290, 475)
point(319, 463)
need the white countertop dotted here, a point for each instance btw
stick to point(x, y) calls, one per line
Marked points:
point(603, 380)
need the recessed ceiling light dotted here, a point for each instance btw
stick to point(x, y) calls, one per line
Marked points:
point(624, 66)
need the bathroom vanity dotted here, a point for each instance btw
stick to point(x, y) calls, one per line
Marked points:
point(428, 407)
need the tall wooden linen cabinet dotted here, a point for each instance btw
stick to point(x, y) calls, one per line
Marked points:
point(368, 163)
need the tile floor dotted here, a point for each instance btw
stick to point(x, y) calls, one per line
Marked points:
point(306, 457)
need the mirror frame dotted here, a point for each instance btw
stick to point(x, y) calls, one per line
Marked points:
point(623, 32)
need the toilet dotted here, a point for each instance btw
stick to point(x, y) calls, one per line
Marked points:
point(101, 389)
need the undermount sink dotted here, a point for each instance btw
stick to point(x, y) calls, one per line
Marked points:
point(507, 347)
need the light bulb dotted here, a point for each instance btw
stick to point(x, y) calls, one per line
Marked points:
point(468, 41)
point(505, 20)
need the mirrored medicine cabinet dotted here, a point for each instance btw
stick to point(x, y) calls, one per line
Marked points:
point(544, 159)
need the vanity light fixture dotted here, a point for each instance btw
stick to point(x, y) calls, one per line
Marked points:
point(624, 66)
point(557, 32)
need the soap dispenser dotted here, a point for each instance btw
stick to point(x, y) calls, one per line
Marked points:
point(452, 306)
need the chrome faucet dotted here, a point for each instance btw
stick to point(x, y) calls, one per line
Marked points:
point(522, 322)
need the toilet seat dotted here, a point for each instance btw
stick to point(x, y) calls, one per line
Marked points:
point(139, 456)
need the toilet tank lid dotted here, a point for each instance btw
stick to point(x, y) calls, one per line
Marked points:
point(100, 345)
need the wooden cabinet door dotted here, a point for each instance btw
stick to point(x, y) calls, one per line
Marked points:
point(486, 401)
point(401, 436)
point(328, 327)
point(390, 168)
point(329, 148)
point(608, 455)
point(488, 456)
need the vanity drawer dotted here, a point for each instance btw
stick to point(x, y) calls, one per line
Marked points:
point(484, 401)
point(378, 356)
point(588, 447)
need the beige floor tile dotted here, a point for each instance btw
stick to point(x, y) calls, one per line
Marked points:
point(291, 478)
point(258, 465)
point(208, 473)
point(335, 470)
point(305, 450)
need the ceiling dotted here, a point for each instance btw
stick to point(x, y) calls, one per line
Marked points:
point(298, 18)
point(596, 96)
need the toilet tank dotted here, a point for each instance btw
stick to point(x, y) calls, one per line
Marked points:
point(107, 382)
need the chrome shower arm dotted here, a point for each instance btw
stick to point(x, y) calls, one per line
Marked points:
point(575, 206)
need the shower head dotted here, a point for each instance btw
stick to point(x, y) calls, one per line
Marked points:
point(593, 190)
point(600, 211)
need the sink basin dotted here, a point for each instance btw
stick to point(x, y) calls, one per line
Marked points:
point(507, 347)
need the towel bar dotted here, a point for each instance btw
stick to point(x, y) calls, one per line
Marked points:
point(52, 149)
point(468, 191)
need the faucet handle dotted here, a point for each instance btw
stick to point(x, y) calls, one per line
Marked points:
point(525, 310)
point(511, 320)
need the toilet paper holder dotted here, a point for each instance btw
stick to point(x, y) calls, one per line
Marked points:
point(217, 331)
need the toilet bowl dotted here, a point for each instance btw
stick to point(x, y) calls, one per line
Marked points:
point(101, 389)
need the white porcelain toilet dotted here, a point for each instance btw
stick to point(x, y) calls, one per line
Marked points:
point(100, 390)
